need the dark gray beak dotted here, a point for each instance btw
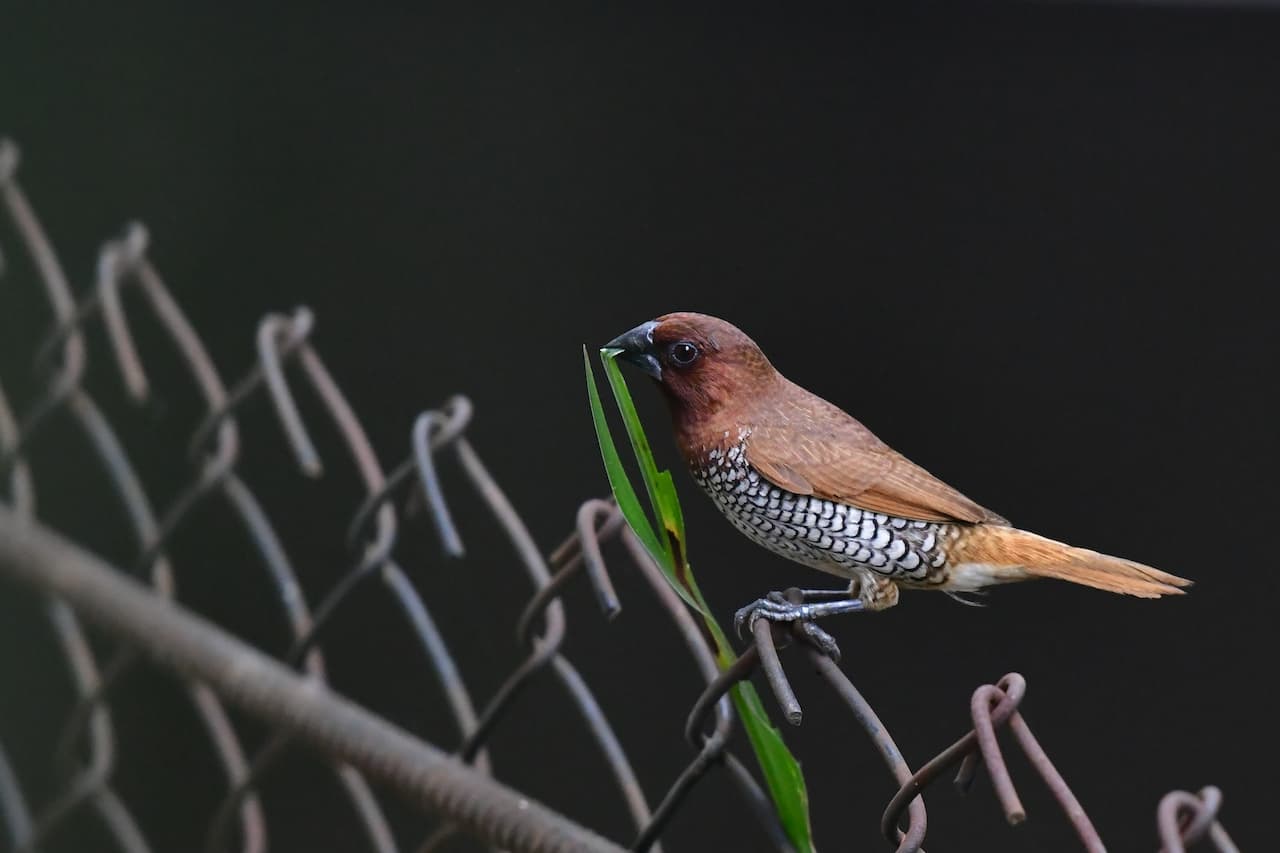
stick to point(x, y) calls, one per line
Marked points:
point(637, 348)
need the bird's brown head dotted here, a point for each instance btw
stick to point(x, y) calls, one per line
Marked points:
point(704, 365)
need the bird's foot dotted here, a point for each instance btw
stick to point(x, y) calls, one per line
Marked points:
point(779, 607)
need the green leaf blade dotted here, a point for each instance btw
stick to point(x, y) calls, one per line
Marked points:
point(623, 493)
point(635, 432)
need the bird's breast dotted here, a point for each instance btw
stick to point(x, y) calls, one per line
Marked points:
point(827, 535)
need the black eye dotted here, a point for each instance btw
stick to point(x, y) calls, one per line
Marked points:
point(684, 353)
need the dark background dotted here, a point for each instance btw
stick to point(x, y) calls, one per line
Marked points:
point(1030, 245)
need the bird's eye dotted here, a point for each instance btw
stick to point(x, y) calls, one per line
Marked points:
point(684, 353)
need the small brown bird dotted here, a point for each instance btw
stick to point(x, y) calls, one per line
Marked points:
point(806, 480)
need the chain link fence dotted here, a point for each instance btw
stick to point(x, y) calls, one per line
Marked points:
point(447, 775)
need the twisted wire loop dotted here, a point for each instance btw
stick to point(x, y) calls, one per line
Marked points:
point(995, 705)
point(1183, 819)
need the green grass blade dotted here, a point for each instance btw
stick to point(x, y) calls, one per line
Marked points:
point(635, 432)
point(623, 493)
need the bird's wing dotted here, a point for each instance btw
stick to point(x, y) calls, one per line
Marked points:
point(830, 455)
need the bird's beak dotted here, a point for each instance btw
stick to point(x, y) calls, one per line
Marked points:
point(637, 348)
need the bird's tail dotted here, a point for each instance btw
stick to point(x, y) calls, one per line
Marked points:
point(998, 554)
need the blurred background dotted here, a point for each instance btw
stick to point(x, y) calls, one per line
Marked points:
point(1028, 244)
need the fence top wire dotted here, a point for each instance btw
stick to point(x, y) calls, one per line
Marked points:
point(298, 704)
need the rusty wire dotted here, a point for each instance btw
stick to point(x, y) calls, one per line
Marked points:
point(300, 706)
point(1183, 818)
point(995, 705)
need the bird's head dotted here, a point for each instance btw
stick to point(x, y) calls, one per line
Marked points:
point(702, 363)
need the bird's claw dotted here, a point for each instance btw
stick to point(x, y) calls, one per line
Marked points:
point(776, 607)
point(819, 639)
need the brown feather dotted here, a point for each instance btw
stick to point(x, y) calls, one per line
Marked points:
point(1012, 554)
point(802, 443)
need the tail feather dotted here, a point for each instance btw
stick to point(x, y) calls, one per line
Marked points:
point(1006, 553)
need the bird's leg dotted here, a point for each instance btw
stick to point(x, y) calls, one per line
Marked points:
point(776, 607)
point(801, 607)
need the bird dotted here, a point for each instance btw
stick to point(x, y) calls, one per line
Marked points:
point(806, 480)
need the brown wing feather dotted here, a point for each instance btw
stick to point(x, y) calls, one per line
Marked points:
point(828, 454)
